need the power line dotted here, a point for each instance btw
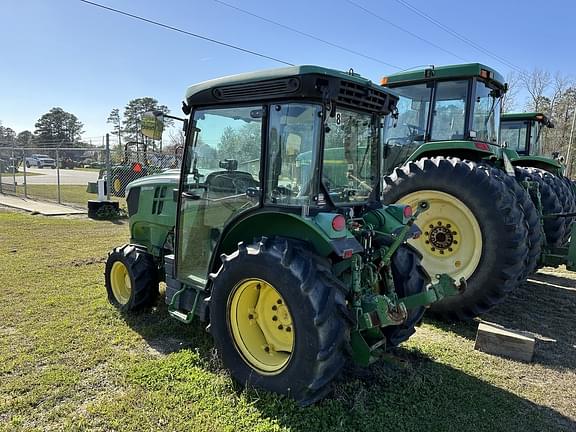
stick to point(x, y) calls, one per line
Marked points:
point(459, 36)
point(308, 35)
point(374, 14)
point(195, 35)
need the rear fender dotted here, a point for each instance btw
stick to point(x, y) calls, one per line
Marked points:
point(461, 149)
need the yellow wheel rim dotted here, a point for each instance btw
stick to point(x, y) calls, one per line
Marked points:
point(117, 185)
point(451, 240)
point(261, 326)
point(120, 282)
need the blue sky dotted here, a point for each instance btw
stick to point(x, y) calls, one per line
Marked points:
point(88, 61)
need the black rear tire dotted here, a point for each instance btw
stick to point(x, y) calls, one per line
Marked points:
point(143, 275)
point(409, 278)
point(316, 304)
point(532, 221)
point(554, 228)
point(504, 247)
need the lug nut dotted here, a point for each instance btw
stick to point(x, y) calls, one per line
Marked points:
point(426, 233)
point(250, 316)
point(280, 327)
point(449, 249)
point(274, 307)
point(455, 242)
point(427, 242)
point(267, 349)
point(288, 329)
point(439, 223)
point(431, 226)
point(448, 226)
point(454, 233)
point(274, 318)
point(441, 252)
point(433, 249)
point(279, 301)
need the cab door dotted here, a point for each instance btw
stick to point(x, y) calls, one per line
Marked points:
point(223, 163)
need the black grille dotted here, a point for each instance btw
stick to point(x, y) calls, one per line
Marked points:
point(259, 89)
point(359, 96)
point(133, 200)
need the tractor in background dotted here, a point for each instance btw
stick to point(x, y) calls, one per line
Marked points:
point(488, 203)
point(273, 231)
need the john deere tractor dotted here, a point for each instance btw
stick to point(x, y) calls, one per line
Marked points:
point(274, 232)
point(524, 133)
point(484, 224)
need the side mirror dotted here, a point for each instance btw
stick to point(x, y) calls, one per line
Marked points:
point(152, 125)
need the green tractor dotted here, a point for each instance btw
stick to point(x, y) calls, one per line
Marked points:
point(274, 233)
point(524, 133)
point(484, 225)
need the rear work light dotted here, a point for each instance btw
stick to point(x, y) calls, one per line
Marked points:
point(137, 167)
point(338, 223)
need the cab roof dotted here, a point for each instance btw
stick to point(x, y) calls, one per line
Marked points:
point(305, 81)
point(467, 70)
point(525, 116)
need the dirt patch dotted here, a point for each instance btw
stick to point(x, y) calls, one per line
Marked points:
point(88, 261)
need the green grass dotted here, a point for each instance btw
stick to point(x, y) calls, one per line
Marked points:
point(70, 361)
point(19, 174)
point(69, 194)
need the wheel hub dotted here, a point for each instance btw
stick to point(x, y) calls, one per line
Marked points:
point(441, 237)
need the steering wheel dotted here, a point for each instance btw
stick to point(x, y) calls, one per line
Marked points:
point(414, 129)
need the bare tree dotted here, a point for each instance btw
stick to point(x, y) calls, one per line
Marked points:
point(536, 83)
point(509, 102)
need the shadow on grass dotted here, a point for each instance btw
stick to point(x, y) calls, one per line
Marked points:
point(546, 310)
point(410, 392)
point(542, 306)
point(414, 393)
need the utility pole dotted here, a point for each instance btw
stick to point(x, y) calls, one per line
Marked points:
point(569, 152)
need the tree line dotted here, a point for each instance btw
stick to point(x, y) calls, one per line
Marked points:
point(59, 128)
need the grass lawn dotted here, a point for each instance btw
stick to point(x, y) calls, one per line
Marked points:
point(69, 194)
point(19, 174)
point(70, 361)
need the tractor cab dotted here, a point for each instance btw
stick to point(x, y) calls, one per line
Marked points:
point(524, 132)
point(443, 107)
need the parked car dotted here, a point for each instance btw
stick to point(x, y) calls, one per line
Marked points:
point(68, 163)
point(40, 161)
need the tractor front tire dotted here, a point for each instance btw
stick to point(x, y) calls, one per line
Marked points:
point(474, 229)
point(409, 278)
point(279, 319)
point(131, 278)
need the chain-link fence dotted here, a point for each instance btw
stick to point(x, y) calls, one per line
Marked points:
point(69, 175)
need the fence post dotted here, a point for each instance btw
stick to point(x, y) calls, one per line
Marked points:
point(58, 170)
point(14, 167)
point(24, 168)
point(108, 184)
